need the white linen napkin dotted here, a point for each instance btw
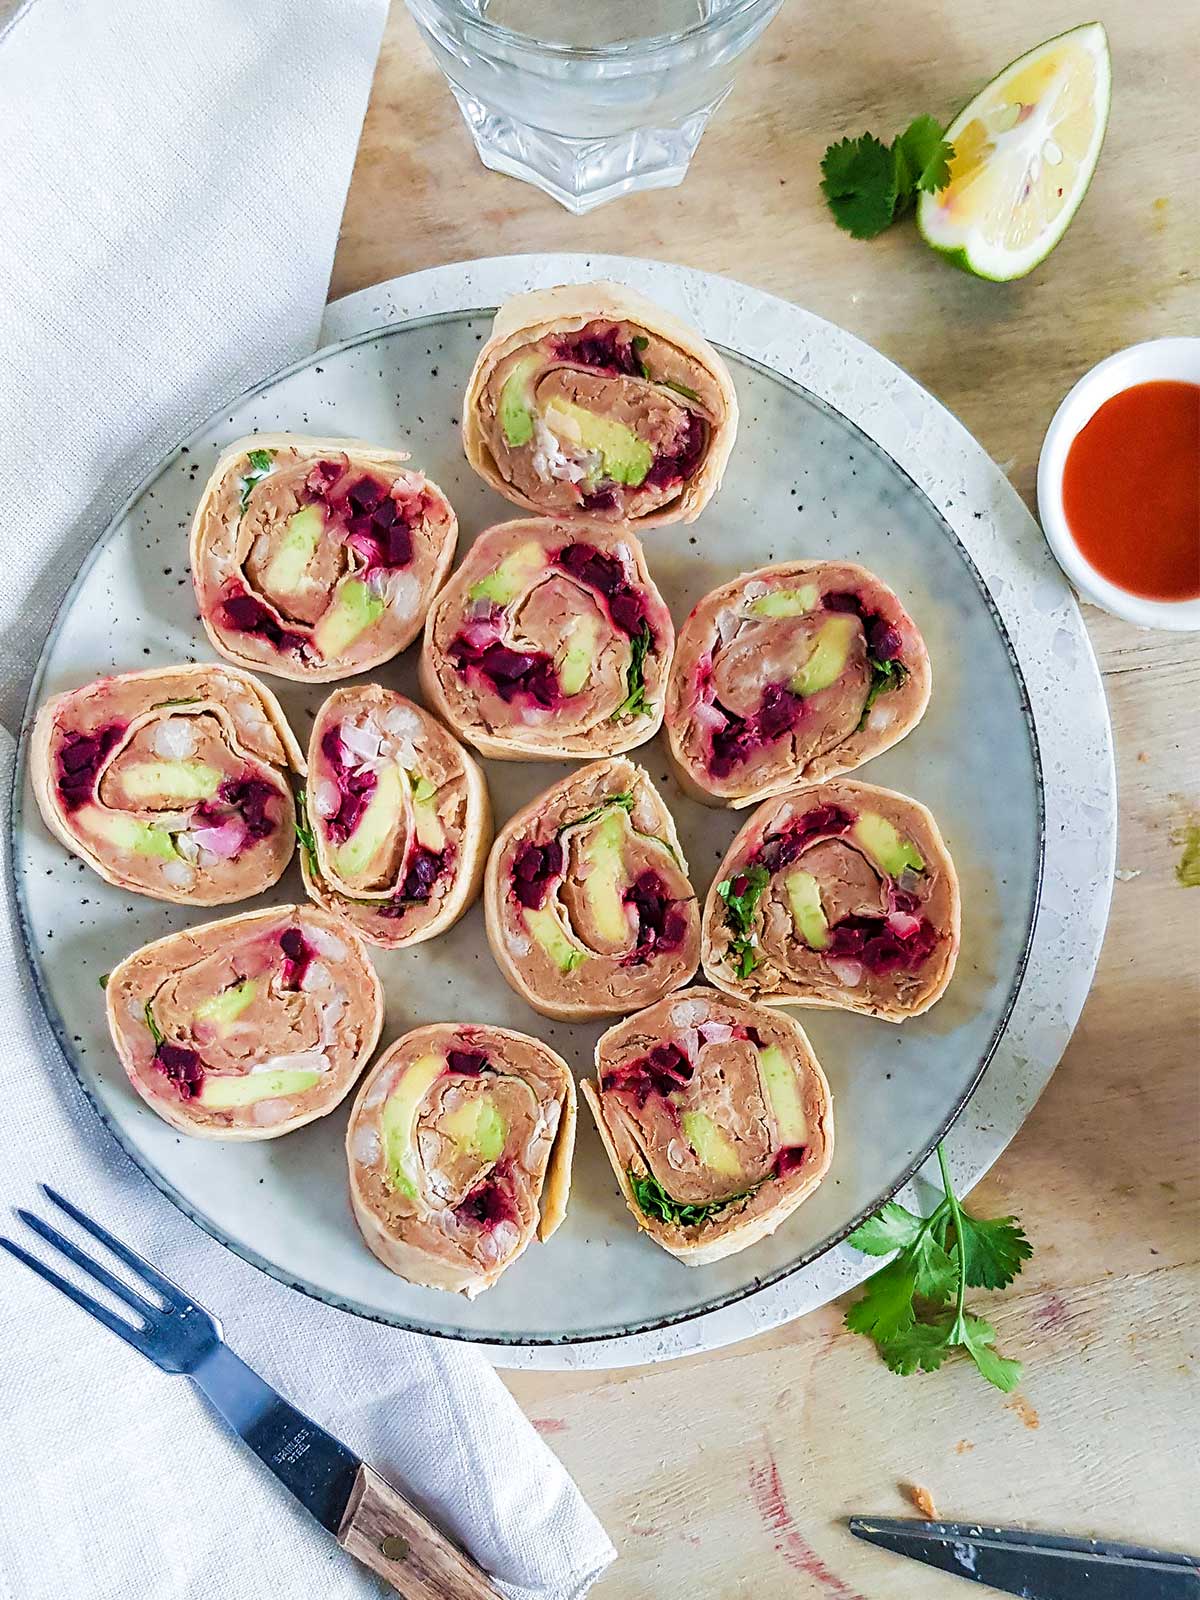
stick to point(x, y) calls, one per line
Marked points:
point(171, 181)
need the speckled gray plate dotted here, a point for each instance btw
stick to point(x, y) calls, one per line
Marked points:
point(804, 482)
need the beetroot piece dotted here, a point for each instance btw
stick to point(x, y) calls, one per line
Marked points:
point(661, 1070)
point(322, 476)
point(883, 640)
point(662, 920)
point(779, 850)
point(470, 1063)
point(677, 467)
point(778, 713)
point(249, 796)
point(298, 955)
point(183, 1066)
point(533, 870)
point(789, 1158)
point(510, 672)
point(489, 1204)
point(871, 941)
point(80, 758)
point(364, 512)
point(355, 785)
point(602, 347)
point(605, 574)
point(245, 613)
point(424, 870)
point(599, 500)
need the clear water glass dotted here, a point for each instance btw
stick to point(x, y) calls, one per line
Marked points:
point(590, 99)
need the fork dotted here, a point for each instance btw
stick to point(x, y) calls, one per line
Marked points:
point(365, 1514)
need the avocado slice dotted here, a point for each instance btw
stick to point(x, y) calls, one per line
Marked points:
point(223, 1008)
point(286, 569)
point(516, 572)
point(711, 1143)
point(804, 897)
point(381, 816)
point(783, 1092)
point(170, 780)
point(602, 855)
point(888, 849)
point(127, 833)
point(827, 662)
point(624, 457)
point(548, 932)
point(477, 1127)
point(786, 602)
point(516, 403)
point(398, 1122)
point(223, 1094)
point(576, 666)
point(427, 825)
point(354, 609)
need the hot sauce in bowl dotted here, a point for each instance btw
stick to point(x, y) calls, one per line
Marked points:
point(1118, 484)
point(1131, 490)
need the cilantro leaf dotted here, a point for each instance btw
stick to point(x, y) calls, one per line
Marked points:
point(634, 703)
point(103, 980)
point(654, 1201)
point(155, 1031)
point(885, 676)
point(925, 154)
point(905, 1307)
point(680, 388)
point(859, 182)
point(261, 460)
point(638, 343)
point(304, 833)
point(978, 1338)
point(625, 801)
point(886, 1309)
point(992, 1252)
point(891, 1228)
point(921, 1348)
point(739, 915)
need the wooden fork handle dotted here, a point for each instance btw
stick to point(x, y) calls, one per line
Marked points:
point(392, 1537)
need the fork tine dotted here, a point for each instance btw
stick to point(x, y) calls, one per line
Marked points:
point(118, 1325)
point(170, 1291)
point(145, 1308)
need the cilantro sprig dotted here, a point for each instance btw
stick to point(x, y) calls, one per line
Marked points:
point(304, 833)
point(739, 915)
point(915, 1307)
point(656, 1202)
point(156, 1032)
point(634, 703)
point(885, 676)
point(869, 184)
point(260, 464)
point(625, 801)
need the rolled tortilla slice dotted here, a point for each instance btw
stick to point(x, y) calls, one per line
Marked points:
point(396, 823)
point(315, 559)
point(459, 1147)
point(590, 398)
point(587, 899)
point(172, 782)
point(550, 641)
point(840, 895)
point(717, 1120)
point(248, 1027)
point(789, 674)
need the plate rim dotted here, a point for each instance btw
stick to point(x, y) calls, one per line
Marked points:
point(500, 1342)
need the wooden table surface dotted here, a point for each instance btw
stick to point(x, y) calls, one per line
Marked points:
point(728, 1475)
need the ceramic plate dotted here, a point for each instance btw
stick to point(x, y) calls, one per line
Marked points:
point(805, 481)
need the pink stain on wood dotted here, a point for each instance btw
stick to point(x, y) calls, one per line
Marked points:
point(549, 1424)
point(767, 1489)
point(1052, 1314)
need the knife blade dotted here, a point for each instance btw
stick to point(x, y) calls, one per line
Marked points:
point(1037, 1566)
point(318, 1469)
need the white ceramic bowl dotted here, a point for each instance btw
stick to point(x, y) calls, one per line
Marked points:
point(1140, 363)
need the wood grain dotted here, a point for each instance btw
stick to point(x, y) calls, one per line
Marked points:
point(727, 1476)
point(389, 1535)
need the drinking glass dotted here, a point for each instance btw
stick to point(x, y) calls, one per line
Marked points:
point(590, 99)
